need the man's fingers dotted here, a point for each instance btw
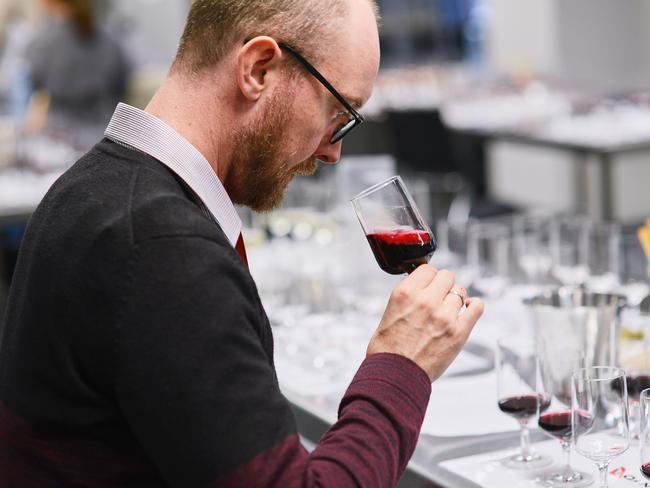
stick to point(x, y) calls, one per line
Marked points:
point(468, 318)
point(421, 277)
point(457, 295)
point(453, 302)
point(439, 287)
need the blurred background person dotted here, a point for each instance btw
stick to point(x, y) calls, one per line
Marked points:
point(17, 22)
point(77, 72)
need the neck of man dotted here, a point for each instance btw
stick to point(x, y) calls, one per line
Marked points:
point(194, 110)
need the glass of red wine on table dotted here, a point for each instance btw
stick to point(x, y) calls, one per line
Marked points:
point(398, 235)
point(644, 432)
point(556, 420)
point(637, 380)
point(522, 394)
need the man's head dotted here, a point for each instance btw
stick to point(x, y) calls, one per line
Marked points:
point(282, 117)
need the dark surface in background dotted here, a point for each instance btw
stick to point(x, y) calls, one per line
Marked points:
point(424, 148)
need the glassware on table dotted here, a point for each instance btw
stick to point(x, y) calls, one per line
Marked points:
point(569, 242)
point(599, 419)
point(398, 235)
point(452, 244)
point(489, 256)
point(575, 329)
point(558, 365)
point(637, 381)
point(522, 394)
point(633, 270)
point(644, 432)
point(532, 242)
point(634, 358)
point(603, 256)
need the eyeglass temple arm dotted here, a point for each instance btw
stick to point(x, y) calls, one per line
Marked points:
point(320, 78)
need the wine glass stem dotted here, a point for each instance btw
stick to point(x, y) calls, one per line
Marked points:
point(566, 454)
point(524, 438)
point(602, 469)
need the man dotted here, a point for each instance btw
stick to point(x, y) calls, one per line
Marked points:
point(136, 351)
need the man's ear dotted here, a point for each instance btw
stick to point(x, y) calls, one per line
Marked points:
point(257, 63)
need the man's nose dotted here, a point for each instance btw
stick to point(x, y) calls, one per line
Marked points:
point(328, 153)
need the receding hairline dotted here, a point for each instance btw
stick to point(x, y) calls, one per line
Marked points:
point(204, 46)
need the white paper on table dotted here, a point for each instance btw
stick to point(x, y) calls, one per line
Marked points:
point(486, 470)
point(466, 406)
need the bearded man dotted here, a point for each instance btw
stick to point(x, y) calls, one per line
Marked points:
point(136, 351)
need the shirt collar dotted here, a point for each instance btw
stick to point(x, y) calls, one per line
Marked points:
point(149, 134)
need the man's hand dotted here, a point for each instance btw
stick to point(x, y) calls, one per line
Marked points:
point(422, 321)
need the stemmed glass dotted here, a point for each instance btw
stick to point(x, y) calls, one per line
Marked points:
point(599, 419)
point(644, 403)
point(489, 256)
point(569, 240)
point(556, 421)
point(521, 393)
point(603, 257)
point(532, 247)
point(398, 235)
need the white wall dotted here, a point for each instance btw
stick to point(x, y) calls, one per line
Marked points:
point(521, 36)
point(603, 43)
point(595, 45)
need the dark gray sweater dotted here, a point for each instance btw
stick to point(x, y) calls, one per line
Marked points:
point(136, 352)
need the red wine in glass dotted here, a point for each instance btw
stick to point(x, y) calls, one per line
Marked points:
point(557, 424)
point(402, 250)
point(645, 470)
point(521, 407)
point(399, 237)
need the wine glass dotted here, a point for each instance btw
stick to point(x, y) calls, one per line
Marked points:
point(599, 419)
point(603, 258)
point(398, 235)
point(558, 365)
point(569, 240)
point(532, 247)
point(489, 256)
point(644, 403)
point(521, 393)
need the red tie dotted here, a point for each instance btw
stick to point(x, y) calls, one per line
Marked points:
point(241, 249)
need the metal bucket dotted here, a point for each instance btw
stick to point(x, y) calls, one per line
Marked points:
point(575, 329)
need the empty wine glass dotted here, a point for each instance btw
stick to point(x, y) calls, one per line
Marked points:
point(522, 394)
point(398, 235)
point(532, 246)
point(569, 241)
point(489, 256)
point(603, 257)
point(599, 419)
point(633, 272)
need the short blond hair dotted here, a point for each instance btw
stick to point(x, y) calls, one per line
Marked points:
point(214, 26)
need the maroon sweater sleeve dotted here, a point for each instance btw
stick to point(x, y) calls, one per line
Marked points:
point(369, 446)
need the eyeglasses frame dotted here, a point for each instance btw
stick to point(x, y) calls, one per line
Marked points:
point(356, 120)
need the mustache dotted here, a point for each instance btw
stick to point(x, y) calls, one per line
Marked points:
point(307, 168)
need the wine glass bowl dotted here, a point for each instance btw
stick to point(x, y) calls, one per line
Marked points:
point(398, 235)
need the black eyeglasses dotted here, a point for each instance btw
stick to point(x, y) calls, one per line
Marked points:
point(356, 119)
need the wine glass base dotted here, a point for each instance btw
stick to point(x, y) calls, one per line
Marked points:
point(533, 461)
point(577, 479)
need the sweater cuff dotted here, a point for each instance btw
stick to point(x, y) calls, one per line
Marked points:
point(381, 374)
